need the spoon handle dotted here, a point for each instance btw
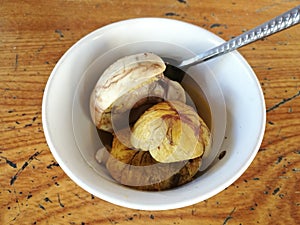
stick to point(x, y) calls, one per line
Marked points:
point(283, 21)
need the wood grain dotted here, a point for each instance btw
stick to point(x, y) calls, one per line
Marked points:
point(35, 190)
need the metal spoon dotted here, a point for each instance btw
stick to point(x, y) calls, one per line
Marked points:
point(279, 23)
point(176, 70)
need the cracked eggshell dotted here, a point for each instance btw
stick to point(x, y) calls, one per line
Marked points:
point(127, 73)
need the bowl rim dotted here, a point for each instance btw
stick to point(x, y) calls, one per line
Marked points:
point(129, 204)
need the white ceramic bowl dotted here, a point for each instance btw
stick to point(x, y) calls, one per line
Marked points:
point(229, 84)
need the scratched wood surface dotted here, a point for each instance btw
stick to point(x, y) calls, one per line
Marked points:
point(35, 190)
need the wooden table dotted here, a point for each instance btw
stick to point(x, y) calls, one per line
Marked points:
point(35, 190)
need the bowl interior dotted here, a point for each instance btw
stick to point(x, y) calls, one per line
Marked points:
point(199, 80)
point(73, 138)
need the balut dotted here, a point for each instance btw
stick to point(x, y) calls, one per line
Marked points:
point(128, 73)
point(171, 131)
point(138, 169)
point(156, 141)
